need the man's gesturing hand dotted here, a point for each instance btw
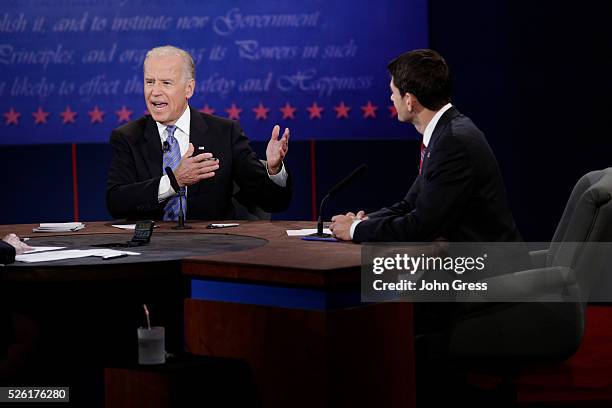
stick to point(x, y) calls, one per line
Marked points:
point(277, 150)
point(193, 169)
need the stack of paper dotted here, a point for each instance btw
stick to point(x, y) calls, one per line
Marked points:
point(72, 254)
point(59, 227)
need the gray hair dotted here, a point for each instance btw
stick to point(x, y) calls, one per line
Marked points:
point(169, 50)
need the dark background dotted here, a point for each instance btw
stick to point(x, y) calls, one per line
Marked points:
point(532, 75)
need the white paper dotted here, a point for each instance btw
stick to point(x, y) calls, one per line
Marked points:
point(125, 226)
point(60, 224)
point(306, 231)
point(41, 249)
point(127, 252)
point(69, 254)
point(128, 226)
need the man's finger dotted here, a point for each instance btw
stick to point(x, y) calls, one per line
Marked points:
point(205, 170)
point(209, 165)
point(275, 132)
point(202, 157)
point(205, 176)
point(286, 135)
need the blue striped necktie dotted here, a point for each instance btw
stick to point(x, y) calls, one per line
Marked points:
point(172, 158)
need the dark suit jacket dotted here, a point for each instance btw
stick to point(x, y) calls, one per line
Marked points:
point(136, 169)
point(7, 253)
point(459, 194)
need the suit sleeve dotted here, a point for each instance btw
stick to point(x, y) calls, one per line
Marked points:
point(7, 253)
point(443, 194)
point(126, 196)
point(252, 178)
point(401, 207)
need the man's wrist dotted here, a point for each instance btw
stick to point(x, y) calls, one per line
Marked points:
point(356, 222)
point(274, 170)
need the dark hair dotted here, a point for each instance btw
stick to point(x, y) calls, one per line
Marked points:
point(424, 74)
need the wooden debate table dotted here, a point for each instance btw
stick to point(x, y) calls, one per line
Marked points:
point(290, 308)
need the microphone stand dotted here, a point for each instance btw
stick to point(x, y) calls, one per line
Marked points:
point(358, 171)
point(319, 232)
point(181, 215)
point(181, 193)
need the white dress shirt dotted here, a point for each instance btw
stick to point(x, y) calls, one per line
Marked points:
point(181, 134)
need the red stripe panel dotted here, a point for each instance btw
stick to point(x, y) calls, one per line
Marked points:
point(313, 179)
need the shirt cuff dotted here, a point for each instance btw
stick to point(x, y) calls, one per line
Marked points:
point(280, 178)
point(353, 225)
point(165, 190)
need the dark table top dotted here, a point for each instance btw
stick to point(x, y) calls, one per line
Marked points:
point(255, 251)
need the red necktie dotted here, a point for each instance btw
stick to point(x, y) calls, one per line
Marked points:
point(422, 156)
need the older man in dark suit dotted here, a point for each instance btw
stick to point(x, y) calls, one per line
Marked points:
point(139, 185)
point(17, 333)
point(10, 246)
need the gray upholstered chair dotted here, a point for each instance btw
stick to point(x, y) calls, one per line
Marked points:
point(510, 335)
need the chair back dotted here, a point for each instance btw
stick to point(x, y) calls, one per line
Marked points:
point(582, 238)
point(545, 330)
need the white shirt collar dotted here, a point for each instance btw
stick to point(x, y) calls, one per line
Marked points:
point(182, 124)
point(432, 124)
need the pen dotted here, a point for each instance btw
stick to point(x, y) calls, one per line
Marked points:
point(212, 226)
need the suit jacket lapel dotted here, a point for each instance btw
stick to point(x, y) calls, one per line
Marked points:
point(151, 148)
point(439, 130)
point(199, 136)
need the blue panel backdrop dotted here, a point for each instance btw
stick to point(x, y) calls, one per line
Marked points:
point(71, 70)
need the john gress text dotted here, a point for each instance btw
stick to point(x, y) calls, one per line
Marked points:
point(429, 286)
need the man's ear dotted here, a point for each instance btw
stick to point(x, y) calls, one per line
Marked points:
point(190, 89)
point(412, 103)
point(408, 100)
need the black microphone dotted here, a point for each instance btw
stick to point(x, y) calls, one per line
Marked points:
point(181, 194)
point(343, 183)
point(166, 147)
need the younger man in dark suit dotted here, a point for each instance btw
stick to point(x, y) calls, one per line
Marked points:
point(459, 194)
point(139, 187)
